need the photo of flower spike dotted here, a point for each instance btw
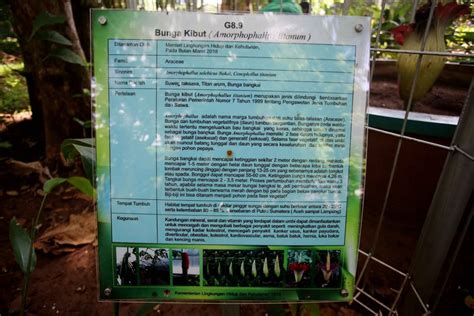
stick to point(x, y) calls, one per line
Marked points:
point(328, 269)
point(265, 268)
point(276, 266)
point(299, 268)
point(243, 268)
point(154, 266)
point(125, 266)
point(186, 270)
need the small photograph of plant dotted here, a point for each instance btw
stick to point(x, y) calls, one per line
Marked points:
point(328, 269)
point(248, 268)
point(154, 266)
point(299, 268)
point(126, 260)
point(186, 267)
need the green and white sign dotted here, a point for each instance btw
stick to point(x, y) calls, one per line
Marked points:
point(229, 154)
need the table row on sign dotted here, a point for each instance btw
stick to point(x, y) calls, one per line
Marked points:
point(219, 85)
point(141, 48)
point(236, 62)
point(229, 230)
point(218, 208)
point(230, 74)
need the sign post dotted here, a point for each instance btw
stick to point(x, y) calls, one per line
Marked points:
point(229, 155)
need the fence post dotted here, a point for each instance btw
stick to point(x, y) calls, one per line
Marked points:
point(449, 204)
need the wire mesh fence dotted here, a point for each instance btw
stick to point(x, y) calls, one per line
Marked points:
point(405, 296)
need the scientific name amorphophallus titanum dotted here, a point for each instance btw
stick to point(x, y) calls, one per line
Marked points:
point(276, 269)
point(265, 268)
point(298, 270)
point(410, 36)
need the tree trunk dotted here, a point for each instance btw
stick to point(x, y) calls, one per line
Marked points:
point(57, 86)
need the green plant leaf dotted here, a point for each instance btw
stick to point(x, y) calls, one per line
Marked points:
point(389, 25)
point(67, 55)
point(83, 184)
point(70, 145)
point(21, 244)
point(78, 121)
point(5, 30)
point(84, 124)
point(87, 124)
point(45, 18)
point(5, 144)
point(468, 36)
point(49, 185)
point(85, 147)
point(53, 36)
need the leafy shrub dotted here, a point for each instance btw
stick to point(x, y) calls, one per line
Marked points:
point(13, 89)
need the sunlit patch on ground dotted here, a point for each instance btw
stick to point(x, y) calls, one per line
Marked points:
point(7, 119)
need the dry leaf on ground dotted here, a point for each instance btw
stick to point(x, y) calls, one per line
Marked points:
point(81, 229)
point(25, 168)
point(20, 168)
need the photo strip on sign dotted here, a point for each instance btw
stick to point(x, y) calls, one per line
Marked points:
point(229, 155)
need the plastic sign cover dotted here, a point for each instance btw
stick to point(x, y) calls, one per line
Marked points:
point(229, 154)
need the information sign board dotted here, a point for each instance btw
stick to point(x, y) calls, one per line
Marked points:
point(229, 154)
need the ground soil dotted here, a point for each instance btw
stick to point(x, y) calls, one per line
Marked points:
point(67, 283)
point(442, 99)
